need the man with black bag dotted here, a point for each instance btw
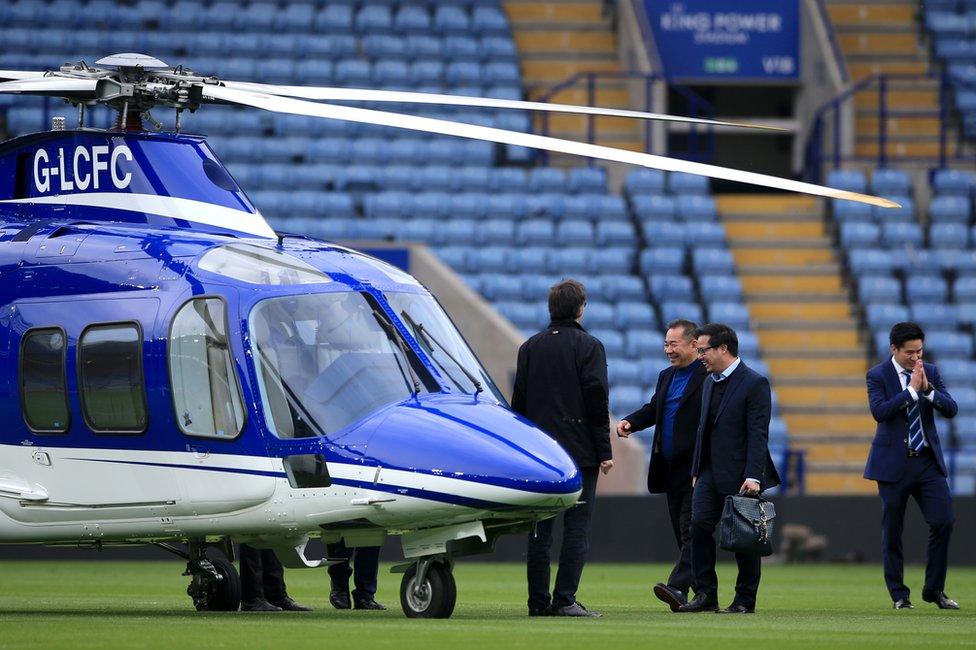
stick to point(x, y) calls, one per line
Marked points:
point(674, 411)
point(731, 457)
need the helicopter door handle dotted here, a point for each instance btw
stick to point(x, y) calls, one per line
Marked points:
point(199, 454)
point(42, 458)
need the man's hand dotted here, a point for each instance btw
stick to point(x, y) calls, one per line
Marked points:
point(925, 378)
point(749, 488)
point(606, 466)
point(623, 429)
point(694, 479)
point(918, 377)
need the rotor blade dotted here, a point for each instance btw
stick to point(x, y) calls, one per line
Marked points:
point(403, 97)
point(429, 125)
point(52, 86)
point(8, 75)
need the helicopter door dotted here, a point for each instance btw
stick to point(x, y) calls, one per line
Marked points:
point(229, 471)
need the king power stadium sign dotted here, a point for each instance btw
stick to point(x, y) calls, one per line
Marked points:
point(718, 39)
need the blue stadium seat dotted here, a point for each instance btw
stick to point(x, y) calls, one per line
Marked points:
point(384, 46)
point(529, 260)
point(294, 17)
point(489, 21)
point(673, 309)
point(901, 234)
point(373, 19)
point(926, 289)
point(549, 204)
point(587, 180)
point(546, 179)
point(934, 316)
point(891, 182)
point(334, 18)
point(964, 289)
point(881, 315)
point(949, 235)
point(855, 234)
point(733, 314)
point(460, 231)
point(615, 233)
point(958, 371)
point(536, 286)
point(451, 20)
point(642, 342)
point(643, 181)
point(454, 256)
point(598, 314)
point(712, 260)
point(490, 259)
point(719, 287)
point(352, 73)
point(696, 208)
point(966, 399)
point(670, 287)
point(905, 213)
point(953, 182)
point(664, 233)
point(573, 233)
point(661, 260)
point(847, 179)
point(460, 73)
point(612, 208)
point(946, 24)
point(682, 184)
point(501, 72)
point(420, 230)
point(613, 345)
point(570, 260)
point(625, 400)
point(634, 314)
point(624, 287)
point(848, 211)
point(748, 344)
point(501, 287)
point(498, 48)
point(411, 19)
point(424, 47)
point(653, 207)
point(949, 345)
point(705, 234)
point(950, 209)
point(878, 289)
point(507, 179)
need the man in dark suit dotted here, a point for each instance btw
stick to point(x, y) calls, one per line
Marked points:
point(367, 565)
point(674, 411)
point(561, 385)
point(731, 457)
point(906, 460)
point(263, 582)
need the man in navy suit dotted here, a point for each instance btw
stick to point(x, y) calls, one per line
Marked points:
point(906, 460)
point(731, 457)
point(674, 412)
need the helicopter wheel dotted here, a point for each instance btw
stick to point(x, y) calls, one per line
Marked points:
point(215, 588)
point(432, 597)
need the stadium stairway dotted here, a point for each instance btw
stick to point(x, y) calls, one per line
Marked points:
point(803, 318)
point(883, 36)
point(557, 40)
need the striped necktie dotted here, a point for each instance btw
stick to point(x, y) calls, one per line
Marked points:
point(916, 438)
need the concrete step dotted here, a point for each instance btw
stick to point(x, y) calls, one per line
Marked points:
point(923, 99)
point(774, 230)
point(792, 283)
point(844, 15)
point(836, 453)
point(782, 255)
point(822, 396)
point(549, 12)
point(873, 43)
point(795, 366)
point(768, 204)
point(833, 482)
point(531, 41)
point(897, 126)
point(811, 339)
point(812, 381)
point(928, 149)
point(580, 123)
point(867, 68)
point(606, 97)
point(549, 73)
point(805, 324)
point(825, 354)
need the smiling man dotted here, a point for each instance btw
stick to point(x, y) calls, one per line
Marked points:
point(906, 460)
point(674, 412)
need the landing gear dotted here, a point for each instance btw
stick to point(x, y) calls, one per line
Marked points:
point(215, 585)
point(428, 589)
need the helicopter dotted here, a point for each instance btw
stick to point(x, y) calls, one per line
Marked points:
point(177, 373)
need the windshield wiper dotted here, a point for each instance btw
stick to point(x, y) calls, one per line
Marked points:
point(429, 339)
point(290, 396)
point(393, 335)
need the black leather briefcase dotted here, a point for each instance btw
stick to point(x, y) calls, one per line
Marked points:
point(747, 525)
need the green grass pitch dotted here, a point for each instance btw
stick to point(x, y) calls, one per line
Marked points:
point(99, 604)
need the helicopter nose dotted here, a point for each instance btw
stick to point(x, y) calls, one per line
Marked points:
point(483, 455)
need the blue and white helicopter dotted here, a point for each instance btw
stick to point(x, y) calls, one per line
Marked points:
point(174, 372)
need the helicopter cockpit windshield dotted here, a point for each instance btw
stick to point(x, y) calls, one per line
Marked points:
point(326, 360)
point(442, 342)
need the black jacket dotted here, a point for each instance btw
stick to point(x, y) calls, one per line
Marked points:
point(561, 385)
point(660, 473)
point(739, 438)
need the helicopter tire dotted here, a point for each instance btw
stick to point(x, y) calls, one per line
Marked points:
point(222, 595)
point(435, 598)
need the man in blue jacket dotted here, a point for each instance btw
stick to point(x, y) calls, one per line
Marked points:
point(906, 460)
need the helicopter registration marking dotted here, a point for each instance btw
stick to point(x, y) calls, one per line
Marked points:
point(87, 167)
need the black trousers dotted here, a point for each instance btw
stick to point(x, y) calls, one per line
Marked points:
point(706, 511)
point(366, 561)
point(572, 555)
point(262, 575)
point(923, 481)
point(679, 497)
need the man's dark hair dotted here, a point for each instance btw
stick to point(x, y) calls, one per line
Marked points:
point(719, 334)
point(565, 300)
point(901, 333)
point(688, 327)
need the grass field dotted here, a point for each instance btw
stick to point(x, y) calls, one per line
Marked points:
point(143, 605)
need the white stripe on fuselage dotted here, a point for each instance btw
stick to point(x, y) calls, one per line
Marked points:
point(165, 206)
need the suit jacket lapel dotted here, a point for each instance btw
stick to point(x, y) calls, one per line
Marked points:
point(662, 395)
point(706, 398)
point(891, 377)
point(697, 376)
point(735, 380)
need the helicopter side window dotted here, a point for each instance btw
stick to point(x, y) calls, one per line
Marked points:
point(110, 376)
point(43, 395)
point(206, 394)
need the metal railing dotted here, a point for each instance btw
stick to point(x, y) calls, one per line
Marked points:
point(824, 146)
point(701, 139)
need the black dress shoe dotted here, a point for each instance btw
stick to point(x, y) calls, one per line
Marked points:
point(289, 605)
point(545, 611)
point(576, 609)
point(736, 608)
point(368, 603)
point(673, 597)
point(340, 599)
point(259, 605)
point(904, 603)
point(700, 603)
point(940, 599)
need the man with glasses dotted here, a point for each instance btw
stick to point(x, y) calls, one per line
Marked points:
point(906, 460)
point(561, 385)
point(731, 457)
point(674, 412)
